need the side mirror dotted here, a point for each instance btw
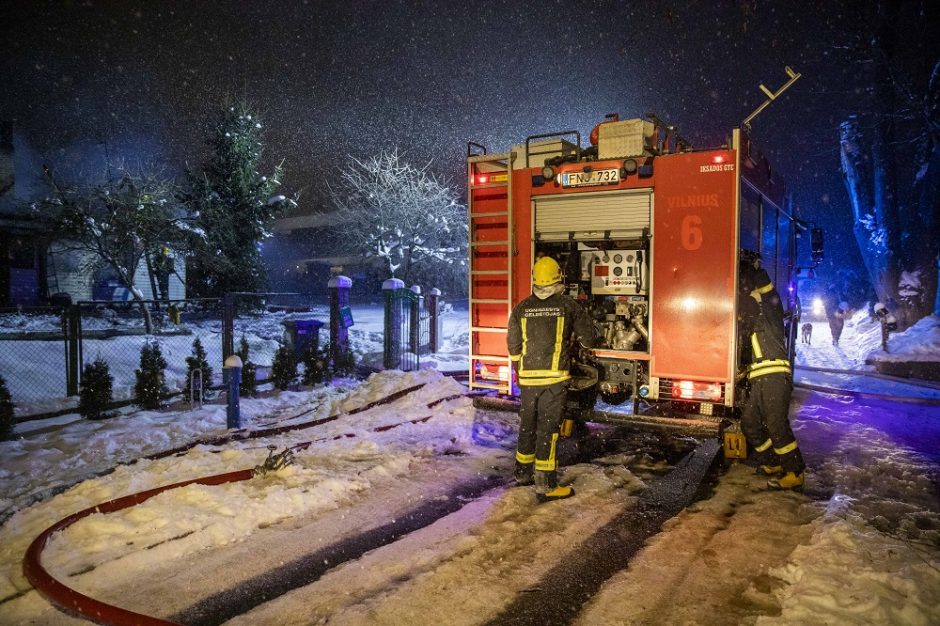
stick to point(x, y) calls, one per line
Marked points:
point(816, 244)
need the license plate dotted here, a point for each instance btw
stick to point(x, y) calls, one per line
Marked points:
point(595, 177)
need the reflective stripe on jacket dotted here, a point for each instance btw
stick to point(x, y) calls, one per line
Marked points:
point(762, 320)
point(539, 337)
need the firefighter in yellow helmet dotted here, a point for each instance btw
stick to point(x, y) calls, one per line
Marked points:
point(765, 416)
point(541, 329)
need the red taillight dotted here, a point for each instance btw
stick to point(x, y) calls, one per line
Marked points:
point(483, 179)
point(718, 158)
point(694, 390)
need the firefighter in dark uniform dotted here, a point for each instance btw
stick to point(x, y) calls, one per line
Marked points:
point(765, 420)
point(539, 339)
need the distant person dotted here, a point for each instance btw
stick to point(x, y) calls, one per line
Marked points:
point(765, 417)
point(539, 338)
point(836, 315)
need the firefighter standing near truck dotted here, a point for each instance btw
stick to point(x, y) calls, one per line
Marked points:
point(539, 338)
point(765, 418)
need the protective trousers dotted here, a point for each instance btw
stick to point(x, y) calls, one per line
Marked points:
point(766, 424)
point(540, 415)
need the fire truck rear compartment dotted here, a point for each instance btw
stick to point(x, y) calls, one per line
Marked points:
point(611, 280)
point(658, 284)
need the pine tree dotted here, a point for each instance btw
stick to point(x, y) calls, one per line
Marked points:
point(235, 205)
point(315, 364)
point(284, 368)
point(151, 385)
point(248, 385)
point(7, 421)
point(95, 395)
point(197, 361)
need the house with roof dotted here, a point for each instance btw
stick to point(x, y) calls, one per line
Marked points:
point(37, 266)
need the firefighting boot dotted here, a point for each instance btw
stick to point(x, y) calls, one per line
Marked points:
point(769, 470)
point(558, 493)
point(547, 489)
point(523, 473)
point(790, 480)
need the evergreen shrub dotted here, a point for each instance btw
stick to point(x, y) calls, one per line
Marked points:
point(95, 394)
point(315, 365)
point(151, 379)
point(344, 365)
point(197, 361)
point(284, 368)
point(249, 384)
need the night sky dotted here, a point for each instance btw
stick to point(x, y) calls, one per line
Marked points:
point(142, 80)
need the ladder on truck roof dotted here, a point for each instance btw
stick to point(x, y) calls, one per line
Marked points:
point(489, 204)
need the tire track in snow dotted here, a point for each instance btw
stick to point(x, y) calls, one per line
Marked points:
point(606, 553)
point(225, 605)
point(560, 595)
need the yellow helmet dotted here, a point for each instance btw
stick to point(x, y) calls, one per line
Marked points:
point(546, 272)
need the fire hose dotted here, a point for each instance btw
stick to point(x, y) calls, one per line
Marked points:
point(68, 599)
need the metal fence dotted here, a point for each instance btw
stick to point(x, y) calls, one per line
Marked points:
point(115, 332)
point(259, 319)
point(43, 349)
point(407, 329)
point(34, 356)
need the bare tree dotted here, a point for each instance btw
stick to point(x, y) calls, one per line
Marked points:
point(402, 214)
point(119, 224)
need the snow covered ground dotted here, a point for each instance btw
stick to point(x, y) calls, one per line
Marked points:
point(861, 546)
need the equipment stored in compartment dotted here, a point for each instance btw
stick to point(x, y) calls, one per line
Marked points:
point(616, 272)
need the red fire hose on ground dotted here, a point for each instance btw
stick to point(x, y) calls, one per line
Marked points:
point(68, 599)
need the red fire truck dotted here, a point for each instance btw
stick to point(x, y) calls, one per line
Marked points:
point(649, 232)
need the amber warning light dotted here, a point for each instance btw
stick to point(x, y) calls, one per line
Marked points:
point(485, 179)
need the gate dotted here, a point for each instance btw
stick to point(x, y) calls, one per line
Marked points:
point(407, 328)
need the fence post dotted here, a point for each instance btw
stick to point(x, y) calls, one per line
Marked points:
point(338, 288)
point(391, 357)
point(75, 349)
point(414, 330)
point(228, 326)
point(233, 369)
point(434, 307)
point(228, 332)
point(195, 377)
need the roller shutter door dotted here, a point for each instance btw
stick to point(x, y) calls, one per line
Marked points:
point(615, 214)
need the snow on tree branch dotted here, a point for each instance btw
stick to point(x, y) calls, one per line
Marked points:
point(391, 209)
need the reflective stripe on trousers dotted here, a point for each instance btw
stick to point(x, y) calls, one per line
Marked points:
point(540, 413)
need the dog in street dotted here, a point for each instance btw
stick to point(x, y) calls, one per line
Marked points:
point(807, 333)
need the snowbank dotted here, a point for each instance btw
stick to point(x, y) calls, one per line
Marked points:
point(197, 517)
